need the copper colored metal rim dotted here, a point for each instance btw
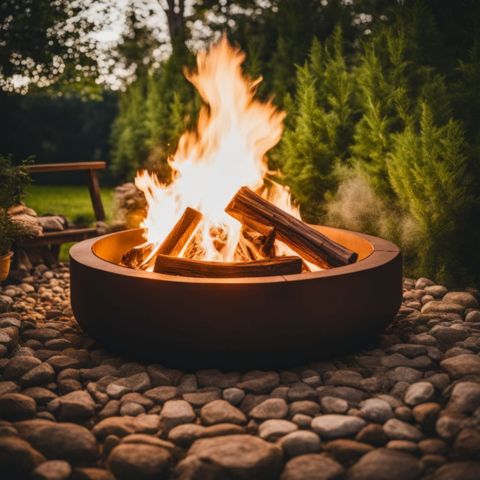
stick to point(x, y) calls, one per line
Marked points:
point(242, 323)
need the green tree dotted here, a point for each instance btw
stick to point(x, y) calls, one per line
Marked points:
point(383, 87)
point(129, 135)
point(431, 177)
point(321, 125)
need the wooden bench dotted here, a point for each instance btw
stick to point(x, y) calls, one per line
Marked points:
point(55, 239)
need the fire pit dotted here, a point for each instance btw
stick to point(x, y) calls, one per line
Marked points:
point(224, 272)
point(234, 323)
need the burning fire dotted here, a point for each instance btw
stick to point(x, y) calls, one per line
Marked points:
point(225, 152)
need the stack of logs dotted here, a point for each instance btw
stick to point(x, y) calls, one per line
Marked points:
point(262, 223)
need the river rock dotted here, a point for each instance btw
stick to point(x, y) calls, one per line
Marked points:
point(134, 461)
point(461, 365)
point(335, 426)
point(420, 392)
point(17, 457)
point(220, 411)
point(15, 406)
point(384, 464)
point(300, 443)
point(375, 410)
point(270, 408)
point(465, 397)
point(53, 470)
point(66, 441)
point(312, 467)
point(259, 460)
point(175, 412)
point(398, 430)
point(273, 429)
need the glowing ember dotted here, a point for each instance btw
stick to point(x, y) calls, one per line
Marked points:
point(225, 152)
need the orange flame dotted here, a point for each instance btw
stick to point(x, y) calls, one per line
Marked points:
point(225, 152)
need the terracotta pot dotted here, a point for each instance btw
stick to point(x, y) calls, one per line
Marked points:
point(5, 265)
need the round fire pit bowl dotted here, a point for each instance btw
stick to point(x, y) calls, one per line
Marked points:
point(264, 322)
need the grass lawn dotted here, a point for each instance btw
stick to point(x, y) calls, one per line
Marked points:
point(71, 201)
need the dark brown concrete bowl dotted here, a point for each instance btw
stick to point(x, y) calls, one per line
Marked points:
point(265, 322)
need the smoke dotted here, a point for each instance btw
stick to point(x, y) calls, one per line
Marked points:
point(357, 206)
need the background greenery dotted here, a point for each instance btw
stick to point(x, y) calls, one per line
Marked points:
point(383, 102)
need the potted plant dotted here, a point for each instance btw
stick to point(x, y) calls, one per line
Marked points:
point(13, 181)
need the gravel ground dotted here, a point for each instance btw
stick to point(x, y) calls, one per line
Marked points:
point(406, 408)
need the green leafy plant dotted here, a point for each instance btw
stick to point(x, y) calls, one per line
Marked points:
point(13, 181)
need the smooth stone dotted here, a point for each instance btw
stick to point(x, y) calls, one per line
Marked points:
point(138, 382)
point(271, 408)
point(333, 405)
point(300, 443)
point(131, 409)
point(398, 430)
point(161, 394)
point(273, 429)
point(461, 365)
point(473, 316)
point(145, 439)
point(259, 382)
point(302, 420)
point(134, 461)
point(91, 473)
point(449, 425)
point(15, 406)
point(334, 426)
point(52, 470)
point(175, 412)
point(221, 411)
point(465, 397)
point(375, 410)
point(17, 457)
point(372, 434)
point(201, 398)
point(423, 282)
point(346, 451)
point(440, 307)
point(17, 366)
point(433, 446)
point(458, 471)
point(467, 444)
point(186, 433)
point(76, 405)
point(385, 464)
point(243, 457)
point(403, 446)
point(119, 426)
point(404, 374)
point(233, 395)
point(66, 441)
point(436, 290)
point(461, 298)
point(41, 395)
point(448, 336)
point(305, 407)
point(420, 392)
point(42, 374)
point(426, 415)
point(312, 467)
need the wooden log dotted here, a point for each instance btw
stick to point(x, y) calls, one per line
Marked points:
point(196, 268)
point(181, 232)
point(143, 255)
point(257, 213)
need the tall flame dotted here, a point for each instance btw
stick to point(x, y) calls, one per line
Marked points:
point(225, 152)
